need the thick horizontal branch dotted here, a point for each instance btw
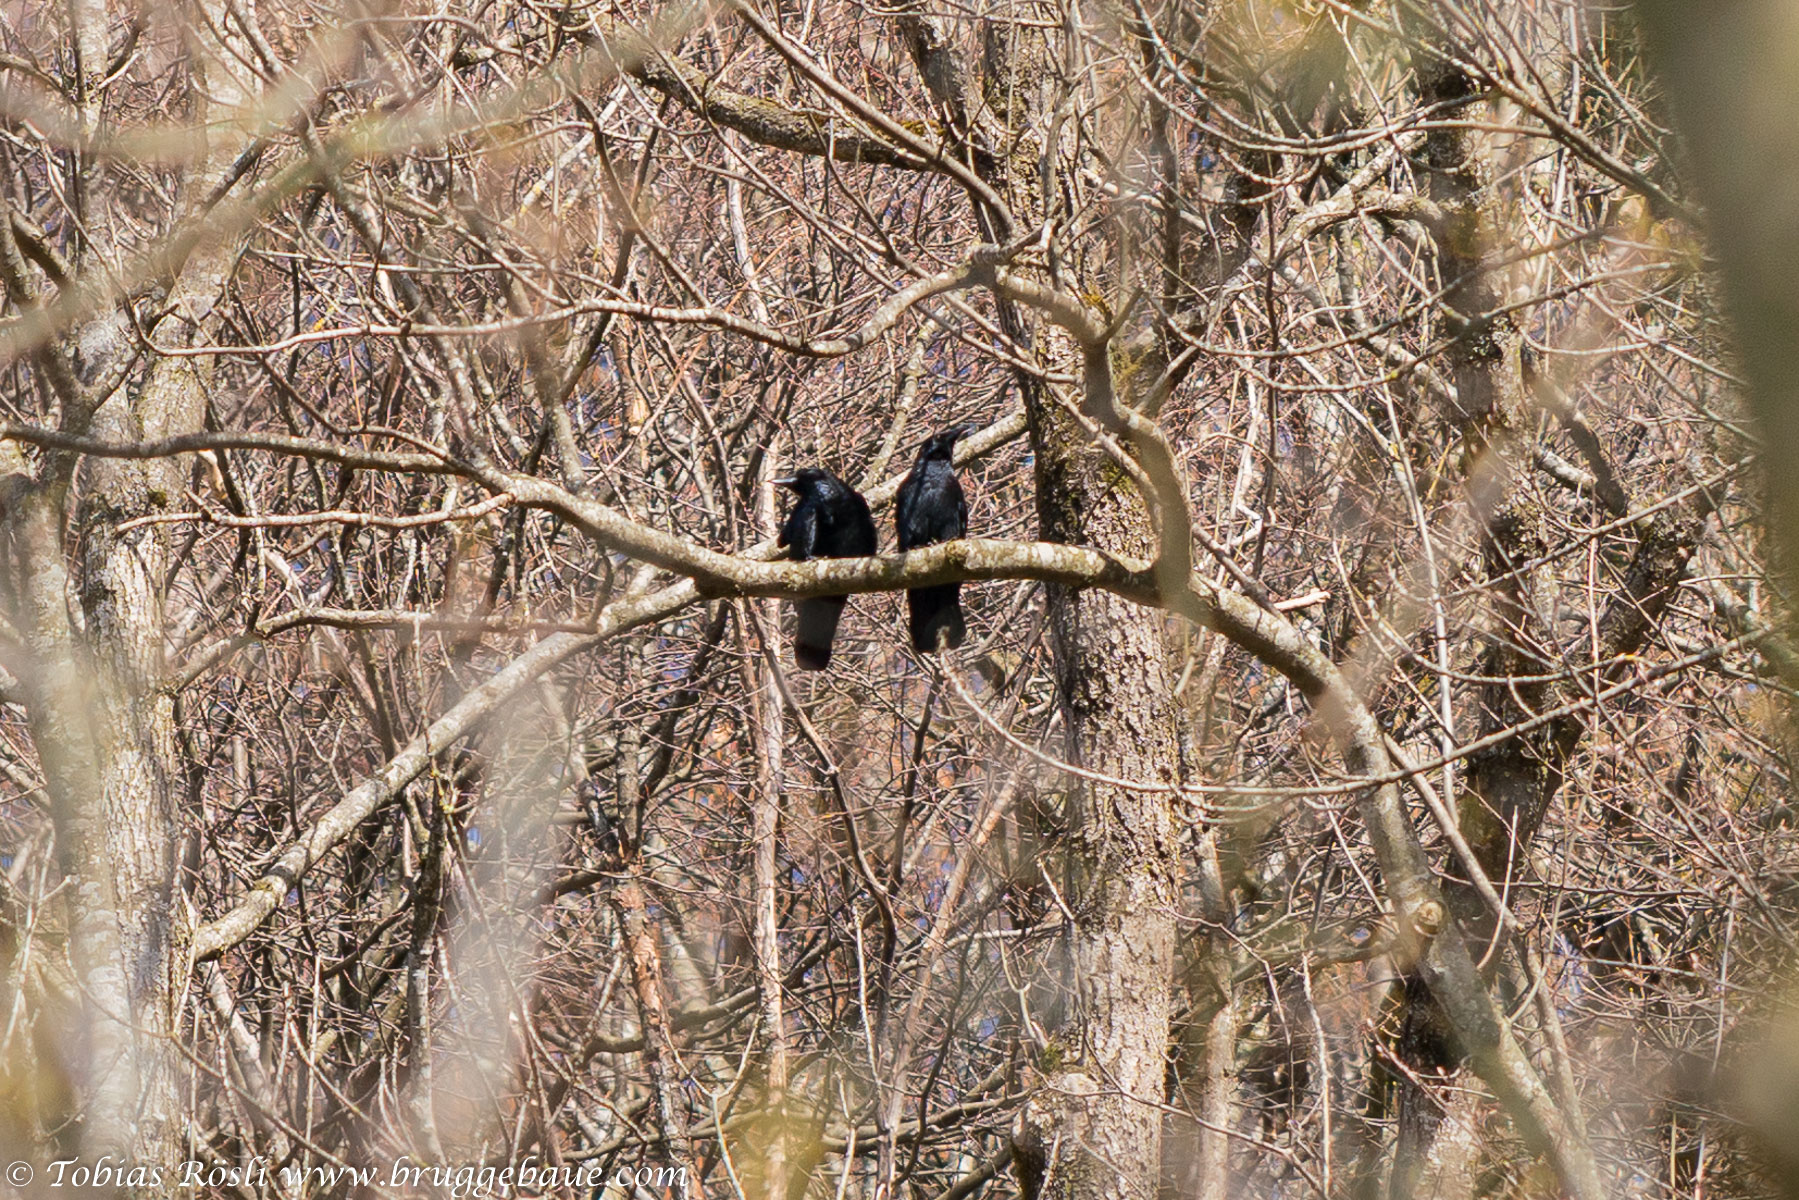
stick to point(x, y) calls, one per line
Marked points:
point(715, 573)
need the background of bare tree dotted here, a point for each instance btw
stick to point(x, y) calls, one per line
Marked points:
point(1367, 773)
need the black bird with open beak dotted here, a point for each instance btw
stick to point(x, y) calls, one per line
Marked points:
point(931, 509)
point(830, 520)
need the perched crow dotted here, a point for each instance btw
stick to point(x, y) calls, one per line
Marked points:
point(930, 509)
point(831, 520)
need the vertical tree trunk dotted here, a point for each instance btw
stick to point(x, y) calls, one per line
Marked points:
point(101, 717)
point(1096, 1125)
point(1094, 1128)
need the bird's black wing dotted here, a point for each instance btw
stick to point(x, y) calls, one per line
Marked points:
point(831, 522)
point(845, 527)
point(918, 512)
point(942, 513)
point(860, 539)
point(905, 509)
point(800, 533)
point(936, 512)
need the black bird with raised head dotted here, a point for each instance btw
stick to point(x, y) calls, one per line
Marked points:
point(831, 520)
point(931, 509)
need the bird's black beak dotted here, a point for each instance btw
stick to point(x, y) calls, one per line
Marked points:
point(785, 481)
point(963, 431)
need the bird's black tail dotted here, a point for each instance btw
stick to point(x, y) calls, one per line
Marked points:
point(817, 628)
point(936, 616)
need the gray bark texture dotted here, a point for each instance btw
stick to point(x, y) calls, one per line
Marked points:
point(91, 596)
point(1094, 1127)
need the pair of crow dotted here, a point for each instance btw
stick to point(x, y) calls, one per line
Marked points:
point(831, 520)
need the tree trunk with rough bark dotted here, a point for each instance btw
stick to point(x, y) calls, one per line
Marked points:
point(1094, 1127)
point(91, 597)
